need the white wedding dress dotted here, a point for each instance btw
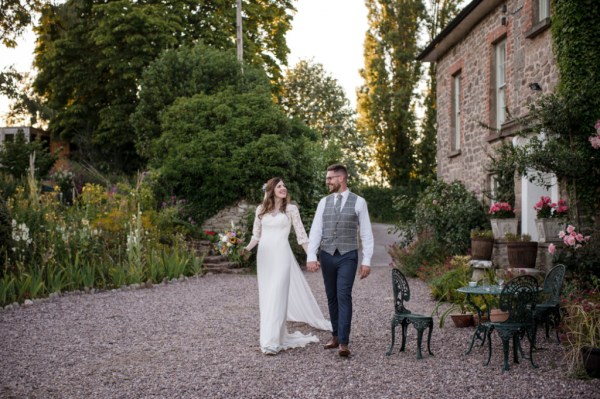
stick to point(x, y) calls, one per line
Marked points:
point(283, 291)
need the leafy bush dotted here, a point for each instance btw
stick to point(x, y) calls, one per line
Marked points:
point(422, 253)
point(449, 212)
point(445, 286)
point(14, 156)
point(219, 140)
point(383, 202)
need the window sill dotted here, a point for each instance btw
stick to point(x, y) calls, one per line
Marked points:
point(454, 153)
point(538, 28)
point(508, 129)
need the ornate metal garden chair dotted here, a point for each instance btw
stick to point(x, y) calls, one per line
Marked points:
point(548, 312)
point(404, 317)
point(518, 298)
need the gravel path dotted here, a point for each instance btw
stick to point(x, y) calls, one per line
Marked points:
point(199, 339)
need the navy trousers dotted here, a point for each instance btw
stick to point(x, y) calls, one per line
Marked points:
point(339, 272)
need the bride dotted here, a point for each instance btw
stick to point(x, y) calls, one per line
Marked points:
point(283, 292)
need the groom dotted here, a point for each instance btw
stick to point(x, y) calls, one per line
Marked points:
point(335, 230)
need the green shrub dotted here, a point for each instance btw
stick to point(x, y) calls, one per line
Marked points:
point(444, 287)
point(449, 212)
point(383, 203)
point(14, 156)
point(422, 253)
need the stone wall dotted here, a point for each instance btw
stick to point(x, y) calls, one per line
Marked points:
point(529, 60)
point(500, 258)
point(235, 213)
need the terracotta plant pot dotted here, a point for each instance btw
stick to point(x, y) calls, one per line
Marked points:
point(522, 254)
point(481, 248)
point(498, 316)
point(591, 361)
point(462, 320)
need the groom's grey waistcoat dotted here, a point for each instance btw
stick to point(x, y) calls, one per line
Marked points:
point(340, 230)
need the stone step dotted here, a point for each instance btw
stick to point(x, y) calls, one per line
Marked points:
point(214, 259)
point(225, 267)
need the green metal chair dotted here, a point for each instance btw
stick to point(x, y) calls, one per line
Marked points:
point(548, 312)
point(404, 317)
point(518, 298)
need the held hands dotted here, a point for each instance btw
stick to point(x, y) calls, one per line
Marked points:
point(312, 266)
point(364, 271)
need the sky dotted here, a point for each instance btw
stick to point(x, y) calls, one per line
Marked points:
point(330, 32)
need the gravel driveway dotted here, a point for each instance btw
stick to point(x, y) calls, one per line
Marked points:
point(199, 339)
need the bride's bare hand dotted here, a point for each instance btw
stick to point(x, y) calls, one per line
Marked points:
point(245, 253)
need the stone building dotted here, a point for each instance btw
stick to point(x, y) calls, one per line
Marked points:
point(493, 60)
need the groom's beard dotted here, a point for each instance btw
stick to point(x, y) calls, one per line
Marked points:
point(334, 188)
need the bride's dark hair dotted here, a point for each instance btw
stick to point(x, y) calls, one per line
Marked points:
point(268, 204)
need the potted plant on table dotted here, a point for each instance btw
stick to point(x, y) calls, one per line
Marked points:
point(482, 244)
point(502, 219)
point(550, 218)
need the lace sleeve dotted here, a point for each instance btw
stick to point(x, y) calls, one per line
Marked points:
point(256, 231)
point(294, 215)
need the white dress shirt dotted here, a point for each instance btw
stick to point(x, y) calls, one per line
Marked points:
point(364, 223)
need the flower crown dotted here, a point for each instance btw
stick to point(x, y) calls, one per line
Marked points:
point(264, 187)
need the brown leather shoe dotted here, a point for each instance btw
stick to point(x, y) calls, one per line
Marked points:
point(344, 351)
point(332, 343)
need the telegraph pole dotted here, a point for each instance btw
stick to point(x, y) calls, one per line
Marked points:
point(239, 40)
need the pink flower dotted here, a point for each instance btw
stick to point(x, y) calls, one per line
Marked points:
point(570, 240)
point(561, 234)
point(595, 141)
point(570, 229)
point(552, 249)
point(579, 237)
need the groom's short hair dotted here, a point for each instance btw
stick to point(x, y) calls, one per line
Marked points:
point(338, 168)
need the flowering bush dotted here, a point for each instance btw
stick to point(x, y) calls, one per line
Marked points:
point(595, 140)
point(501, 210)
point(579, 253)
point(229, 244)
point(545, 208)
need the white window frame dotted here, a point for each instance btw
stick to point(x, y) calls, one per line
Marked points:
point(543, 9)
point(456, 110)
point(500, 92)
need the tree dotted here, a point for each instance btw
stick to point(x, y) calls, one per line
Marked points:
point(312, 95)
point(15, 16)
point(219, 135)
point(385, 101)
point(184, 72)
point(91, 54)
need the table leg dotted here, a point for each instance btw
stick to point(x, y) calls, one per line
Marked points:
point(480, 330)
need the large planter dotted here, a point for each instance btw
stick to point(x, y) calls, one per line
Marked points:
point(591, 361)
point(548, 229)
point(462, 320)
point(481, 248)
point(500, 227)
point(522, 254)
